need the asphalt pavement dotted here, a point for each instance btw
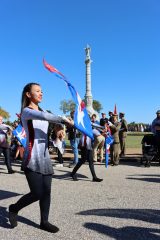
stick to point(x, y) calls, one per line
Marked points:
point(125, 206)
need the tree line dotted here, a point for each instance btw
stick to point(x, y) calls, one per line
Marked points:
point(66, 106)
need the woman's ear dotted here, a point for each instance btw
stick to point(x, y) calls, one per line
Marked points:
point(28, 94)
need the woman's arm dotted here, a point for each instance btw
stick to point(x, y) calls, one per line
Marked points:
point(31, 114)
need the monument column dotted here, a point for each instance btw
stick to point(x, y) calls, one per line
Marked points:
point(88, 95)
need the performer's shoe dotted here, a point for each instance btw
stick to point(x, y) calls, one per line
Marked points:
point(121, 155)
point(72, 165)
point(11, 171)
point(49, 227)
point(74, 177)
point(12, 217)
point(97, 180)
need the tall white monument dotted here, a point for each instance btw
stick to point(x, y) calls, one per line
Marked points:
point(88, 95)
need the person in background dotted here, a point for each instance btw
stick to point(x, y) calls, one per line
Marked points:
point(155, 128)
point(122, 134)
point(103, 119)
point(73, 137)
point(86, 154)
point(94, 119)
point(98, 145)
point(5, 143)
point(114, 148)
point(19, 151)
point(36, 161)
point(58, 137)
point(110, 114)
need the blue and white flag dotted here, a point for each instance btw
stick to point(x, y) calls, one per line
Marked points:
point(20, 134)
point(108, 141)
point(81, 118)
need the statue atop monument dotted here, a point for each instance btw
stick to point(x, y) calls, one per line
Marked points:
point(88, 51)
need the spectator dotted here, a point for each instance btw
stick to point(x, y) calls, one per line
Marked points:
point(98, 144)
point(5, 143)
point(73, 137)
point(122, 134)
point(110, 116)
point(86, 154)
point(103, 120)
point(156, 131)
point(58, 137)
point(94, 119)
point(114, 148)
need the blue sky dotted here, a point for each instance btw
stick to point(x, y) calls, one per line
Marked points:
point(124, 36)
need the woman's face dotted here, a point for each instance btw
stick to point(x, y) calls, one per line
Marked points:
point(35, 95)
point(1, 119)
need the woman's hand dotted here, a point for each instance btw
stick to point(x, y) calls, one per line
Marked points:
point(68, 121)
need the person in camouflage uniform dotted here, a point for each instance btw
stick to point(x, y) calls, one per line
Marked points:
point(123, 134)
point(114, 149)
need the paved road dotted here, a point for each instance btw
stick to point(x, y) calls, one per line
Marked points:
point(125, 206)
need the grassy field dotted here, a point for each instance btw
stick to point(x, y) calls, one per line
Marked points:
point(133, 140)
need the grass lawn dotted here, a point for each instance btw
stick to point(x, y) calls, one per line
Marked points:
point(133, 140)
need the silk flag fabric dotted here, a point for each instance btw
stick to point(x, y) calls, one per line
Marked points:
point(81, 118)
point(20, 134)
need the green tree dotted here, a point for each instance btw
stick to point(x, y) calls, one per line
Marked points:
point(9, 123)
point(67, 106)
point(97, 106)
point(4, 113)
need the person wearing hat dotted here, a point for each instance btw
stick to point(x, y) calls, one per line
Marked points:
point(122, 134)
point(110, 113)
point(103, 120)
point(114, 148)
point(155, 128)
point(156, 123)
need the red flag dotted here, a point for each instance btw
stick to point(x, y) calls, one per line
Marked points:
point(115, 109)
point(18, 115)
point(81, 118)
point(53, 70)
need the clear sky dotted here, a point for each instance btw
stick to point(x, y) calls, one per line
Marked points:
point(124, 36)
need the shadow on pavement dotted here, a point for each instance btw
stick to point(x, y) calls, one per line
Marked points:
point(152, 179)
point(5, 223)
point(6, 194)
point(146, 215)
point(132, 161)
point(66, 175)
point(146, 175)
point(125, 233)
point(128, 232)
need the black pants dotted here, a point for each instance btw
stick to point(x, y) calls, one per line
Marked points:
point(157, 143)
point(60, 157)
point(6, 153)
point(85, 155)
point(40, 189)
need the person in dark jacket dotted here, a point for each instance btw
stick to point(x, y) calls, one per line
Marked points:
point(86, 154)
point(103, 119)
